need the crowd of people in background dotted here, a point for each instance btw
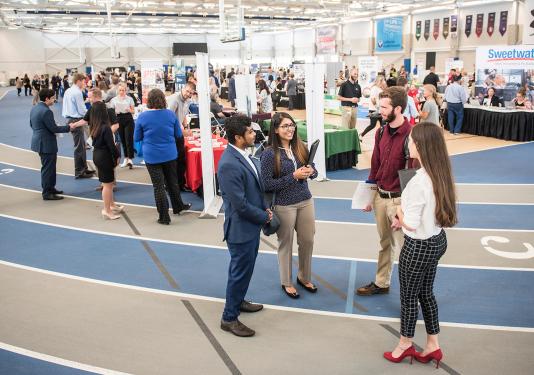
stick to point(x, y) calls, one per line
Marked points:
point(409, 222)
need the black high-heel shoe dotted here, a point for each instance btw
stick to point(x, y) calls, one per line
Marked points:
point(185, 207)
point(292, 295)
point(311, 289)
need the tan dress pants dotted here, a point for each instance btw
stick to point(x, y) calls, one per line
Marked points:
point(348, 117)
point(298, 218)
point(391, 241)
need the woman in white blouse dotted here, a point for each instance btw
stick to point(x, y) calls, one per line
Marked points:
point(264, 97)
point(124, 107)
point(428, 204)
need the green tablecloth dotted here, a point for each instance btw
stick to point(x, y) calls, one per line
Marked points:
point(337, 140)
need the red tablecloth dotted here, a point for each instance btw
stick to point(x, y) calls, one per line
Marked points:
point(193, 160)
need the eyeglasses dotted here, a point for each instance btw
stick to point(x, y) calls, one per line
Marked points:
point(288, 126)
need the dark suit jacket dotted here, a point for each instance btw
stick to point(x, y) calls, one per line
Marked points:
point(242, 193)
point(44, 129)
point(231, 89)
point(496, 101)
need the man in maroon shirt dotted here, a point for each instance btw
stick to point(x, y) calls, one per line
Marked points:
point(388, 157)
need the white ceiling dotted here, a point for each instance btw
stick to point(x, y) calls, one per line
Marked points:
point(196, 16)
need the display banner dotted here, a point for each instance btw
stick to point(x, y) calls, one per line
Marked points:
point(528, 22)
point(505, 57)
point(468, 24)
point(151, 77)
point(427, 29)
point(505, 68)
point(480, 24)
point(418, 30)
point(326, 40)
point(389, 34)
point(446, 27)
point(491, 23)
point(367, 70)
point(503, 24)
point(435, 33)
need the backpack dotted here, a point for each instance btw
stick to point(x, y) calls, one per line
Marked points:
point(405, 148)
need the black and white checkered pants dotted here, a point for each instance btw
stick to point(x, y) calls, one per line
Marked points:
point(417, 269)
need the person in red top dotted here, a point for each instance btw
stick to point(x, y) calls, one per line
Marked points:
point(388, 158)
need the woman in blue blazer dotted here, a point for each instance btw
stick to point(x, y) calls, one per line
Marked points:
point(158, 128)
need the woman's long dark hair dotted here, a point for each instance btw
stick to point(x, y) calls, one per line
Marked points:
point(99, 119)
point(297, 146)
point(430, 144)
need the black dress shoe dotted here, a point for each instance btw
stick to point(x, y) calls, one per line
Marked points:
point(311, 289)
point(185, 207)
point(55, 191)
point(370, 289)
point(237, 328)
point(164, 222)
point(52, 197)
point(84, 175)
point(292, 295)
point(250, 307)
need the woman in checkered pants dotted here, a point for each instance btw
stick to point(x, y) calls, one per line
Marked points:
point(428, 204)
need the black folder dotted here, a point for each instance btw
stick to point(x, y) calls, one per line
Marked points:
point(313, 151)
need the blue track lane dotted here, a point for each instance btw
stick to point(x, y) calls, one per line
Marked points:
point(512, 165)
point(17, 364)
point(338, 210)
point(487, 298)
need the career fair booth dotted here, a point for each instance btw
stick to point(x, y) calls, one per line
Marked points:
point(507, 69)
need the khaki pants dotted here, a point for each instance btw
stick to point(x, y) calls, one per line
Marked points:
point(298, 217)
point(348, 117)
point(391, 241)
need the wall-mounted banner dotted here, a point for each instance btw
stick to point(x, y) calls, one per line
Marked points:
point(418, 30)
point(528, 22)
point(454, 23)
point(446, 27)
point(503, 24)
point(435, 33)
point(326, 40)
point(426, 34)
point(491, 23)
point(389, 34)
point(479, 25)
point(468, 24)
point(505, 57)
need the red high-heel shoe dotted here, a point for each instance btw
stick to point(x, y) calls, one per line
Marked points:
point(436, 354)
point(410, 352)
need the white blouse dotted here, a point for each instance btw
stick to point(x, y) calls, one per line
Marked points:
point(418, 204)
point(121, 105)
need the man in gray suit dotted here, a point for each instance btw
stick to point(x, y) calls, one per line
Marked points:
point(291, 89)
point(44, 142)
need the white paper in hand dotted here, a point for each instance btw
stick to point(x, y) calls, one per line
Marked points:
point(363, 196)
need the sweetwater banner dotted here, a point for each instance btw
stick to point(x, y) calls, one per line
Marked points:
point(505, 57)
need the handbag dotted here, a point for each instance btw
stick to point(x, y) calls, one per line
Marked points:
point(272, 226)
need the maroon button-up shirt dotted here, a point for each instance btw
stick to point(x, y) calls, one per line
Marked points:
point(388, 158)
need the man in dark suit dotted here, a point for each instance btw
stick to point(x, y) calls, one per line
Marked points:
point(231, 89)
point(44, 141)
point(245, 214)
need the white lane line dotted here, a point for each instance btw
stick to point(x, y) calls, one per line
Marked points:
point(466, 203)
point(330, 179)
point(58, 361)
point(273, 307)
point(317, 221)
point(90, 199)
point(171, 242)
point(5, 93)
point(71, 175)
